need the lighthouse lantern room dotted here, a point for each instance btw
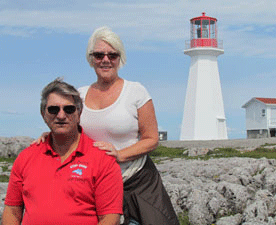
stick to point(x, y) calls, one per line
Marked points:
point(203, 31)
point(203, 117)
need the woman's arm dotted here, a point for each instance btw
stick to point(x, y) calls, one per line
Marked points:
point(148, 132)
point(42, 138)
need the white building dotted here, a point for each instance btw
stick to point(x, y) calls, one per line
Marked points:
point(260, 117)
point(203, 117)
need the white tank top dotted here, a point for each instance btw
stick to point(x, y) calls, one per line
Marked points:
point(117, 123)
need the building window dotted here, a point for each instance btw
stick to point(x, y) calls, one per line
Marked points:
point(162, 135)
point(263, 112)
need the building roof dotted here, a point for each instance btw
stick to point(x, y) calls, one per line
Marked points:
point(267, 101)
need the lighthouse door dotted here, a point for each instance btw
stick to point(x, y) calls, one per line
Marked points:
point(221, 128)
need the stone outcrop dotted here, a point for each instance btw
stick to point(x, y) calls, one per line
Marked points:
point(222, 191)
point(11, 147)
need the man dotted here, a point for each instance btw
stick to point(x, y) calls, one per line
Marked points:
point(64, 180)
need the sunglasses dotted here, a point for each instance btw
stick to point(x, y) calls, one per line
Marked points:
point(68, 109)
point(100, 55)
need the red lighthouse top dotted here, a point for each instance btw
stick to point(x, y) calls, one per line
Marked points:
point(203, 32)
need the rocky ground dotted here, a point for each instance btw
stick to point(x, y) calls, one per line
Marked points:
point(222, 191)
point(230, 191)
point(11, 146)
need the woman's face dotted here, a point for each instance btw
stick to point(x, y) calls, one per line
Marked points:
point(107, 67)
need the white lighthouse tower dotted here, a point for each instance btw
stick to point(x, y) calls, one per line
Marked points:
point(204, 117)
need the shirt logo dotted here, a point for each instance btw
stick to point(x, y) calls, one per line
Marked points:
point(77, 171)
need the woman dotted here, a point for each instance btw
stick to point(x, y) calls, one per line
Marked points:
point(120, 116)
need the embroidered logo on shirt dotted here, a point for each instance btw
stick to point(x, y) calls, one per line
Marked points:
point(77, 171)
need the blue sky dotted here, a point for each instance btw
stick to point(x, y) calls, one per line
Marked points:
point(41, 40)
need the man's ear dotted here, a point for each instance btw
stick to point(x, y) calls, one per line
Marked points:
point(79, 114)
point(43, 115)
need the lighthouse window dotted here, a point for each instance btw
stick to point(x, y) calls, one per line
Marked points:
point(212, 31)
point(198, 32)
point(205, 28)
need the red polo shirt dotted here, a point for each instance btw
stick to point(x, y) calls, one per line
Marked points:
point(87, 184)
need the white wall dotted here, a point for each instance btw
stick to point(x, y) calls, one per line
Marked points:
point(254, 118)
point(204, 117)
point(271, 115)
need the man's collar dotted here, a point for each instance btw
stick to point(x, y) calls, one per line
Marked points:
point(79, 149)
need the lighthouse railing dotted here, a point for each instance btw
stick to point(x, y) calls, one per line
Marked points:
point(204, 43)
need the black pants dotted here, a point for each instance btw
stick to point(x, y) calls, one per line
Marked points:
point(146, 200)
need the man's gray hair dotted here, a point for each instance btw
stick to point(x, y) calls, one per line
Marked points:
point(60, 87)
point(106, 34)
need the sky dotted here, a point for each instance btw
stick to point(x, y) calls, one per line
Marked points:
point(41, 40)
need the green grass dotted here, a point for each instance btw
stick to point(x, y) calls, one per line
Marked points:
point(9, 160)
point(162, 151)
point(183, 218)
point(230, 152)
point(5, 168)
point(260, 152)
point(4, 178)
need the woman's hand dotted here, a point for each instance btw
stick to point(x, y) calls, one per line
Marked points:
point(42, 138)
point(109, 148)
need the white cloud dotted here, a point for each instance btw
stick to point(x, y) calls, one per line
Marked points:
point(11, 112)
point(157, 21)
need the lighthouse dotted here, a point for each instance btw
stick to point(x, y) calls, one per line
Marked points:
point(203, 117)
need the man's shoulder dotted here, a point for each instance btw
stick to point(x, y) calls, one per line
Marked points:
point(33, 149)
point(95, 152)
point(29, 154)
point(88, 145)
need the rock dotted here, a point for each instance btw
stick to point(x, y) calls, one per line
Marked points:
point(257, 212)
point(11, 147)
point(233, 220)
point(197, 206)
point(217, 203)
point(197, 151)
point(270, 182)
point(213, 189)
point(3, 189)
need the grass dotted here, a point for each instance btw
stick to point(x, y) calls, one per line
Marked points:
point(183, 218)
point(5, 168)
point(9, 160)
point(260, 152)
point(4, 178)
point(162, 151)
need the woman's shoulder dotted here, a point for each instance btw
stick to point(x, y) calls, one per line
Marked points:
point(83, 90)
point(137, 92)
point(134, 85)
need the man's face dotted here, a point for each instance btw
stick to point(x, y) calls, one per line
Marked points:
point(61, 122)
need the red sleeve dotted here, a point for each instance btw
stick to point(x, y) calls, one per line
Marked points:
point(14, 193)
point(109, 187)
